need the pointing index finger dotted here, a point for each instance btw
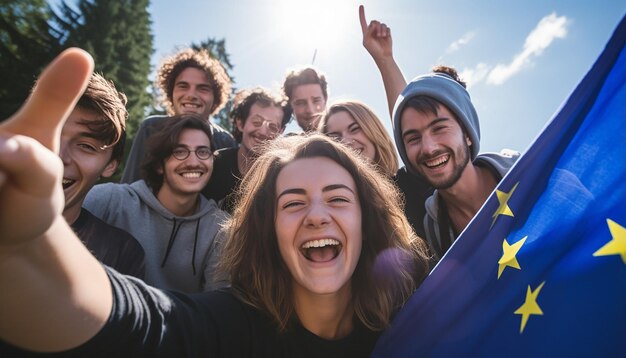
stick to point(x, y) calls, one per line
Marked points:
point(362, 18)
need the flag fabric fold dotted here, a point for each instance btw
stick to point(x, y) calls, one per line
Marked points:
point(541, 269)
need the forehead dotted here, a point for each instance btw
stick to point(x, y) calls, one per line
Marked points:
point(193, 138)
point(339, 120)
point(192, 75)
point(414, 119)
point(313, 175)
point(309, 90)
point(271, 113)
point(77, 120)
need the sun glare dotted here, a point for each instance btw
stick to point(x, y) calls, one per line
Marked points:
point(312, 26)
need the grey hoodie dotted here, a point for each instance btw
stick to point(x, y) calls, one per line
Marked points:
point(499, 164)
point(181, 252)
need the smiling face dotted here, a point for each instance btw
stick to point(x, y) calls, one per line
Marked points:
point(318, 225)
point(308, 103)
point(192, 93)
point(262, 124)
point(342, 126)
point(190, 175)
point(435, 145)
point(85, 160)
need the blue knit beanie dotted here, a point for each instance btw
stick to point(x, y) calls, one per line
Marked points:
point(447, 91)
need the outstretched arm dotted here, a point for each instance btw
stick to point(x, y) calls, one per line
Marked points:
point(377, 41)
point(55, 294)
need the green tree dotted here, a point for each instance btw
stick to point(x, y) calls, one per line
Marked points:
point(118, 36)
point(27, 44)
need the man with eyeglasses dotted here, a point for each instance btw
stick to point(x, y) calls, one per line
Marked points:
point(258, 116)
point(179, 229)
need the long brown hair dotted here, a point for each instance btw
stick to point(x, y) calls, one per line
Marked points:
point(385, 156)
point(392, 262)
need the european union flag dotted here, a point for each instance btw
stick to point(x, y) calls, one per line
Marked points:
point(541, 270)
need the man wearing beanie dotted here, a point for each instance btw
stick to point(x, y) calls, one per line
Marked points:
point(437, 134)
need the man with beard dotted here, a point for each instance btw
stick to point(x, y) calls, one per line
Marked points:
point(258, 116)
point(437, 133)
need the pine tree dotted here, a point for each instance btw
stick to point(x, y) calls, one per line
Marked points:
point(27, 44)
point(118, 36)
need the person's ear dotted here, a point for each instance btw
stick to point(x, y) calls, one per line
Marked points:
point(110, 168)
point(239, 123)
point(468, 141)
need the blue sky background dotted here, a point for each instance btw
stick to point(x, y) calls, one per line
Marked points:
point(521, 58)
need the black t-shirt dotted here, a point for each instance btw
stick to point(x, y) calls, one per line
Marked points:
point(225, 179)
point(415, 190)
point(112, 246)
point(147, 322)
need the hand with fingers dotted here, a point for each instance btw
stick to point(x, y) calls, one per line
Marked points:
point(376, 37)
point(377, 41)
point(31, 196)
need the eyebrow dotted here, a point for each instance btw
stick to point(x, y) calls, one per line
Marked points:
point(431, 124)
point(327, 188)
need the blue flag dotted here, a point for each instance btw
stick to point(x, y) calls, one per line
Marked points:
point(541, 269)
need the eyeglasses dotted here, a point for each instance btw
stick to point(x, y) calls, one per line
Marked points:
point(182, 153)
point(271, 126)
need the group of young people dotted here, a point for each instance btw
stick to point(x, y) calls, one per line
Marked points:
point(252, 244)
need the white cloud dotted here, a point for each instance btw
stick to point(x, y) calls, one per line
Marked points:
point(474, 75)
point(464, 40)
point(549, 28)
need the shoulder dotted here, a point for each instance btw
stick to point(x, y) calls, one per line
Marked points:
point(110, 189)
point(149, 124)
point(152, 120)
point(412, 184)
point(499, 162)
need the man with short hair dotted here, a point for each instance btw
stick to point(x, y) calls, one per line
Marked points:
point(179, 229)
point(191, 82)
point(92, 145)
point(258, 116)
point(306, 90)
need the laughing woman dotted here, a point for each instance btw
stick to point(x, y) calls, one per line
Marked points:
point(320, 256)
point(355, 124)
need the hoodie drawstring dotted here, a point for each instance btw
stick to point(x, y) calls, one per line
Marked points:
point(195, 243)
point(171, 241)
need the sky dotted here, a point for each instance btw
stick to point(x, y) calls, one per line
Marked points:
point(521, 59)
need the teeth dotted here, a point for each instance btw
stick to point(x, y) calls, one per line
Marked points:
point(320, 243)
point(191, 175)
point(67, 181)
point(437, 161)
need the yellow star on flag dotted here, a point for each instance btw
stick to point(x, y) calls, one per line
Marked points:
point(508, 255)
point(503, 199)
point(530, 306)
point(617, 246)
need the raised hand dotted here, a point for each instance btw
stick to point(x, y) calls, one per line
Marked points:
point(31, 196)
point(377, 41)
point(376, 37)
